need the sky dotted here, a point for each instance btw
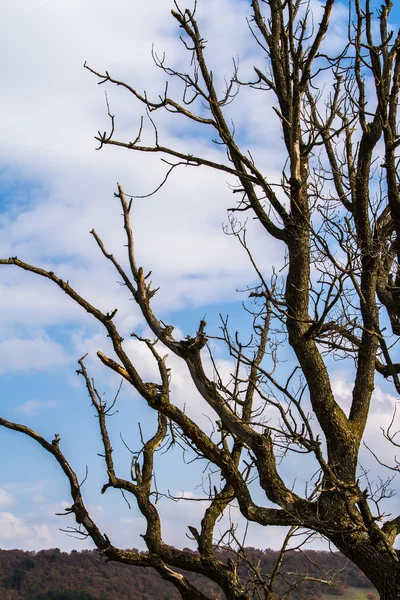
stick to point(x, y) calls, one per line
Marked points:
point(54, 188)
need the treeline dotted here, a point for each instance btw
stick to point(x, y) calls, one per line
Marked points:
point(55, 575)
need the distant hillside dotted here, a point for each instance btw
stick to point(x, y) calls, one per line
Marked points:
point(56, 575)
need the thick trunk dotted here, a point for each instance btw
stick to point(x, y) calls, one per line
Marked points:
point(390, 594)
point(379, 563)
point(389, 588)
point(386, 579)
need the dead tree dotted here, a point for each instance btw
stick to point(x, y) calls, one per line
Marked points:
point(336, 213)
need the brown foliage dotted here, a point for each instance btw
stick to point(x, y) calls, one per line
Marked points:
point(87, 570)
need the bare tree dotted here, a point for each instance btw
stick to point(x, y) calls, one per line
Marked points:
point(336, 213)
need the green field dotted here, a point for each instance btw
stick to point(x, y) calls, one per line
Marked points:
point(352, 593)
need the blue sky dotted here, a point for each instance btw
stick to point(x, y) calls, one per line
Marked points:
point(54, 188)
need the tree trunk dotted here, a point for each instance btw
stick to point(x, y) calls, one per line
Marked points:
point(379, 563)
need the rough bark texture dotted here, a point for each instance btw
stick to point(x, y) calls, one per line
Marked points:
point(338, 291)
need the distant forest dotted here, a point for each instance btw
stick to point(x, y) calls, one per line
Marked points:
point(55, 575)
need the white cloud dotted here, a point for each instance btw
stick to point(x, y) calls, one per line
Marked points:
point(59, 188)
point(96, 511)
point(19, 488)
point(38, 498)
point(13, 528)
point(40, 528)
point(6, 499)
point(34, 407)
point(178, 232)
point(26, 533)
point(381, 413)
point(43, 534)
point(23, 355)
point(382, 402)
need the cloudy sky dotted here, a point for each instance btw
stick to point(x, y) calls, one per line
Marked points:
point(55, 187)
